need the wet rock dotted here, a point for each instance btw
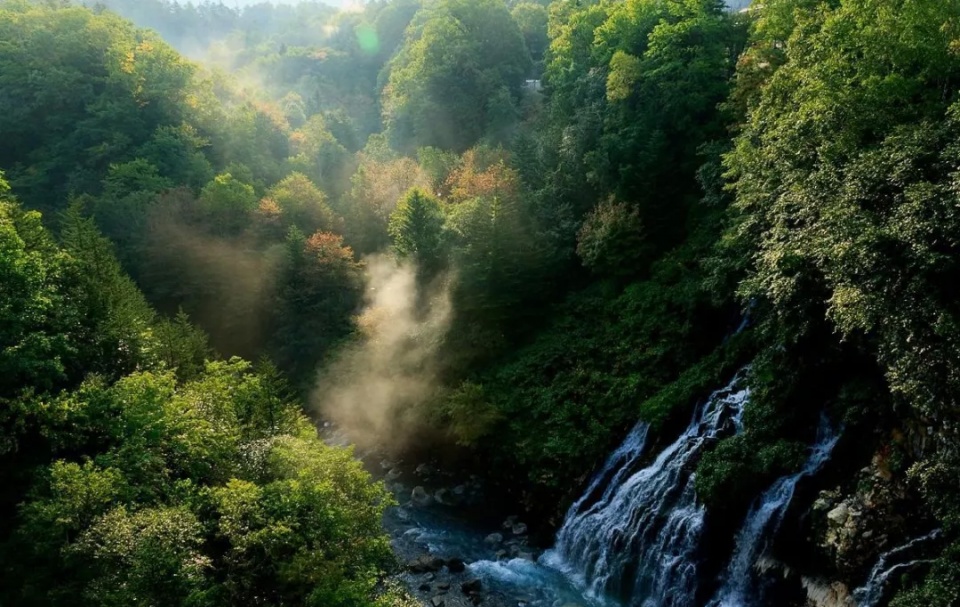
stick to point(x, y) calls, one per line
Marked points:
point(527, 556)
point(429, 577)
point(510, 522)
point(460, 490)
point(424, 588)
point(839, 514)
point(519, 529)
point(424, 470)
point(443, 587)
point(502, 554)
point(493, 539)
point(425, 564)
point(420, 497)
point(402, 515)
point(456, 565)
point(394, 474)
point(444, 497)
point(471, 586)
point(437, 602)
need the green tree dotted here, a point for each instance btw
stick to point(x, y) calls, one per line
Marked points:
point(416, 227)
point(461, 62)
point(319, 289)
point(227, 204)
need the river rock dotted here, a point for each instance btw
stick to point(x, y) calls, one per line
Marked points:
point(471, 586)
point(425, 564)
point(493, 539)
point(437, 602)
point(519, 528)
point(424, 470)
point(444, 497)
point(420, 496)
point(443, 587)
point(394, 474)
point(510, 522)
point(839, 514)
point(456, 565)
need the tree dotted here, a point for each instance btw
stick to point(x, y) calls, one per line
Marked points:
point(532, 20)
point(612, 241)
point(227, 204)
point(416, 227)
point(36, 315)
point(302, 204)
point(319, 289)
point(462, 60)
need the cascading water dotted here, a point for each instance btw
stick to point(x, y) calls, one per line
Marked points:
point(638, 541)
point(870, 594)
point(762, 523)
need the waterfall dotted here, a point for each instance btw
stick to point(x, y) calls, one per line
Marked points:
point(637, 542)
point(870, 594)
point(616, 466)
point(763, 522)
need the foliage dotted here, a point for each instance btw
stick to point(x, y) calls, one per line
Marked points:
point(416, 227)
point(456, 77)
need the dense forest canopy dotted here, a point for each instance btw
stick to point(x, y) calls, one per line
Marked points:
point(511, 228)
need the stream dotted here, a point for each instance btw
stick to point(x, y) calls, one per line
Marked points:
point(633, 539)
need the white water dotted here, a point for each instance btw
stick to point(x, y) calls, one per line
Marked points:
point(637, 543)
point(762, 524)
point(870, 594)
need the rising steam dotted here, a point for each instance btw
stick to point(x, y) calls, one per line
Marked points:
point(374, 389)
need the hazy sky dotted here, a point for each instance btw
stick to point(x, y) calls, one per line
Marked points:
point(249, 2)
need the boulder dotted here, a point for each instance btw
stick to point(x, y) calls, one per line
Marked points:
point(420, 497)
point(443, 497)
point(425, 564)
point(839, 514)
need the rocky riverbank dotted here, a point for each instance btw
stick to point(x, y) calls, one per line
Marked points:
point(456, 550)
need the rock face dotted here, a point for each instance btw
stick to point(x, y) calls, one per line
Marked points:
point(824, 594)
point(857, 526)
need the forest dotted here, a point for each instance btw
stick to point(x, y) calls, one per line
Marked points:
point(491, 235)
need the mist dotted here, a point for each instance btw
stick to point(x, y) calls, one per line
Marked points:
point(374, 390)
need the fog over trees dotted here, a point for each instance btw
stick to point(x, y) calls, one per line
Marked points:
point(501, 230)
